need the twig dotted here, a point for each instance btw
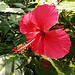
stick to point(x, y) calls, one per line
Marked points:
point(68, 13)
point(11, 3)
point(69, 26)
point(63, 28)
point(10, 7)
point(59, 2)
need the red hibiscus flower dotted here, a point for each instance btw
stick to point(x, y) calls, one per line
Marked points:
point(35, 25)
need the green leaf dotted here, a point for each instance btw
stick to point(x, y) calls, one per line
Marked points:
point(3, 47)
point(14, 20)
point(49, 1)
point(29, 9)
point(72, 49)
point(6, 30)
point(32, 4)
point(70, 6)
point(71, 64)
point(68, 0)
point(3, 6)
point(53, 64)
point(19, 5)
point(28, 71)
point(25, 62)
point(44, 67)
point(73, 19)
point(48, 68)
point(38, 68)
point(13, 10)
point(6, 62)
point(13, 65)
point(8, 65)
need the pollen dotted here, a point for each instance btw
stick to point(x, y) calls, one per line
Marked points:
point(20, 47)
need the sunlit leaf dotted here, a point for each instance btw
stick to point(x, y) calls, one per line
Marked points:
point(3, 6)
point(8, 64)
point(70, 6)
point(71, 64)
point(13, 10)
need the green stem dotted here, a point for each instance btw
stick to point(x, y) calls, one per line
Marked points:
point(12, 70)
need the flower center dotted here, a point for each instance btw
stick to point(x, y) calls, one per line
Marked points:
point(43, 33)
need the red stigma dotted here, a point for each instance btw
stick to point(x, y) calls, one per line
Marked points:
point(16, 51)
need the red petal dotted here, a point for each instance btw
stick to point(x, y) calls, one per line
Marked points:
point(45, 16)
point(26, 26)
point(56, 44)
point(38, 45)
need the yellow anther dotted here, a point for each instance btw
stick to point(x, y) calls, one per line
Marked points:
point(20, 46)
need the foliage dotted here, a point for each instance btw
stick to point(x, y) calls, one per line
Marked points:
point(30, 63)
